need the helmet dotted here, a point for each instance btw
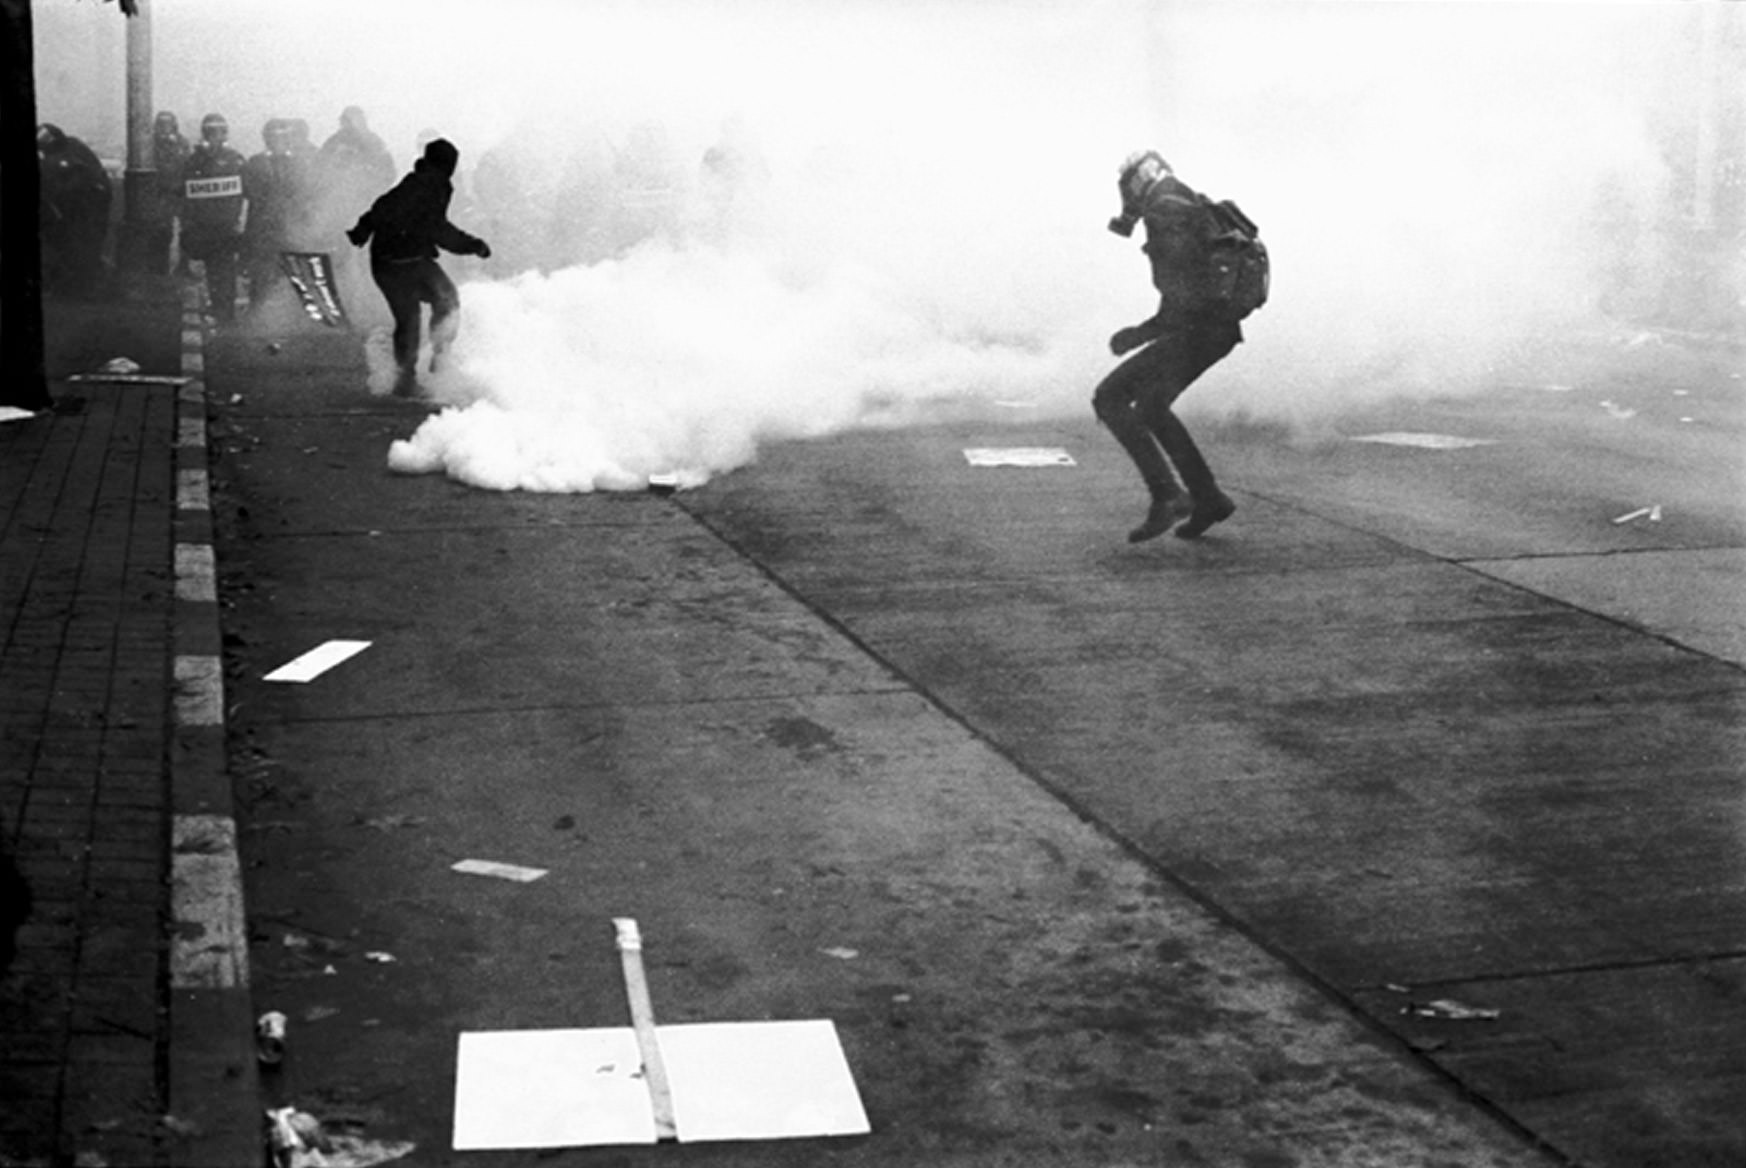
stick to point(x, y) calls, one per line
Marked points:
point(214, 128)
point(165, 122)
point(1139, 171)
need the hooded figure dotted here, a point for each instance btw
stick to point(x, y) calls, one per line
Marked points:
point(404, 229)
point(75, 211)
point(1186, 336)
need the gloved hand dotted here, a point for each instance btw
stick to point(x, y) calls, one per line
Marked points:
point(1125, 340)
point(357, 237)
point(484, 250)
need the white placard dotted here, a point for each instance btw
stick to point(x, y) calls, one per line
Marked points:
point(550, 1089)
point(730, 1080)
point(760, 1081)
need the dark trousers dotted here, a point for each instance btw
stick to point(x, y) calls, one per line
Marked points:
point(407, 287)
point(1134, 401)
point(218, 255)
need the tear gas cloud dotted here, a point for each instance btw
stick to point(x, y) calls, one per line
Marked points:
point(924, 234)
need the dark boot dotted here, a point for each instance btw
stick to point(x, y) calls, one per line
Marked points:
point(1206, 513)
point(1169, 503)
point(1167, 510)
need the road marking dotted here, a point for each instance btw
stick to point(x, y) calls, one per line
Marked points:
point(503, 871)
point(317, 661)
point(196, 572)
point(192, 493)
point(1424, 441)
point(199, 690)
point(209, 941)
point(1018, 456)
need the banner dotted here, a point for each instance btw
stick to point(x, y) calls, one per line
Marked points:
point(311, 273)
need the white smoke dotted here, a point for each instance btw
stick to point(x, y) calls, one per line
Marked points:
point(1444, 186)
point(681, 361)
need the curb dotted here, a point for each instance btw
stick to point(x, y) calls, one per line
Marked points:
point(214, 1087)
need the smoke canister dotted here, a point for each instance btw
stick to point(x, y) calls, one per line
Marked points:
point(270, 1038)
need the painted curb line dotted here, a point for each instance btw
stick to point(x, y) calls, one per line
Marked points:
point(214, 1084)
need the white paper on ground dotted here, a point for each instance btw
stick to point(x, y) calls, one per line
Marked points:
point(317, 661)
point(550, 1089)
point(1018, 456)
point(132, 378)
point(1424, 441)
point(503, 871)
point(760, 1081)
point(14, 414)
point(730, 1081)
point(1653, 512)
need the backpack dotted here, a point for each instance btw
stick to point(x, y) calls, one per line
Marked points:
point(1239, 271)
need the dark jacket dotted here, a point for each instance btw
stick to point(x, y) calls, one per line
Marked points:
point(411, 221)
point(1179, 234)
point(163, 197)
point(212, 193)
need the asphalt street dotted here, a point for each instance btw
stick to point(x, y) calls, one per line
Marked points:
point(1186, 853)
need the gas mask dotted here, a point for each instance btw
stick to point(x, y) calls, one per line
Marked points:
point(1134, 179)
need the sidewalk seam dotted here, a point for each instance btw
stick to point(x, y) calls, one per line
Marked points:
point(213, 1080)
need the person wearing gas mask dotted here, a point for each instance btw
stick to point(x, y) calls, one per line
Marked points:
point(213, 208)
point(404, 229)
point(1183, 339)
point(164, 193)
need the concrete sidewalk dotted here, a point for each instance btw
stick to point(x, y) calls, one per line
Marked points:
point(124, 1023)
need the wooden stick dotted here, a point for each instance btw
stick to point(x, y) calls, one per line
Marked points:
point(636, 988)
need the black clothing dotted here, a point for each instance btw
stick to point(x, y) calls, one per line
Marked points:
point(411, 221)
point(407, 285)
point(404, 229)
point(1178, 343)
point(277, 184)
point(163, 196)
point(75, 197)
point(1134, 401)
point(212, 218)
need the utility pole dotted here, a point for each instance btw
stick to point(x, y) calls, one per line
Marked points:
point(141, 171)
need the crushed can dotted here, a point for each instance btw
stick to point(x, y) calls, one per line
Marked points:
point(270, 1038)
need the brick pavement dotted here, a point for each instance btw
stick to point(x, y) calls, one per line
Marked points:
point(93, 611)
point(87, 589)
